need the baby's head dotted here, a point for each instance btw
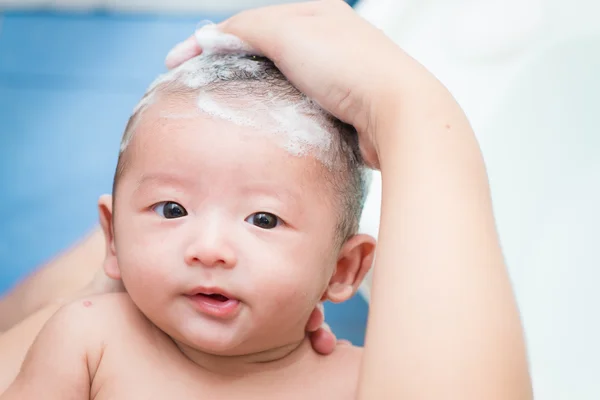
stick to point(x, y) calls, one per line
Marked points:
point(236, 207)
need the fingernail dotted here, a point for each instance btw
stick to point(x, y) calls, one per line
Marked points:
point(182, 52)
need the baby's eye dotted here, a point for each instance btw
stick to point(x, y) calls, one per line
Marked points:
point(264, 220)
point(170, 209)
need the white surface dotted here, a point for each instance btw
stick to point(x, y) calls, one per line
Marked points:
point(528, 76)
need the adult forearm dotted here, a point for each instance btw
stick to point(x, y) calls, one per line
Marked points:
point(442, 307)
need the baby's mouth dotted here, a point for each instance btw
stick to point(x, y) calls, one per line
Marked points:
point(215, 296)
point(214, 302)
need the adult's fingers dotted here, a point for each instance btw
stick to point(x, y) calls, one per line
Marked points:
point(323, 341)
point(316, 319)
point(182, 52)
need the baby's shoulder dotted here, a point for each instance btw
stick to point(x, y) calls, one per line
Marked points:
point(100, 322)
point(100, 315)
point(341, 370)
point(345, 359)
point(99, 306)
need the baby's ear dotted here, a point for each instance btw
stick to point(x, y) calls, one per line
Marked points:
point(111, 267)
point(354, 261)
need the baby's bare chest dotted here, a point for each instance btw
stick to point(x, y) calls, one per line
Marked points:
point(156, 370)
point(155, 381)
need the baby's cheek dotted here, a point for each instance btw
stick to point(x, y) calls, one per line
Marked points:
point(146, 268)
point(298, 289)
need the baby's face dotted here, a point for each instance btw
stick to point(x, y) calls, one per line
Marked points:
point(223, 239)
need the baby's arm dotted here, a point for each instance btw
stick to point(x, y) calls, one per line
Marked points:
point(57, 364)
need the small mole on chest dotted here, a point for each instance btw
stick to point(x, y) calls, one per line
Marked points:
point(87, 303)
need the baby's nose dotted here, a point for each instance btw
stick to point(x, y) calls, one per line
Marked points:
point(210, 247)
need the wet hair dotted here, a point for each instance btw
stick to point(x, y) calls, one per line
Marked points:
point(233, 76)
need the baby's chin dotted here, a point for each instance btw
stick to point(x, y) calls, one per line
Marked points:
point(243, 335)
point(215, 345)
point(210, 338)
point(236, 342)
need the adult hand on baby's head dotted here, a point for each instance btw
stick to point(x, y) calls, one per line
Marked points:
point(328, 52)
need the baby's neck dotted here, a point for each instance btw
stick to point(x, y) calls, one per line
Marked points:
point(256, 363)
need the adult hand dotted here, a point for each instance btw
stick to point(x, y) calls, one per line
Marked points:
point(322, 338)
point(328, 52)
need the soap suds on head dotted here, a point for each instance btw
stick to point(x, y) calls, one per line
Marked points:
point(212, 40)
point(305, 134)
point(297, 132)
point(211, 107)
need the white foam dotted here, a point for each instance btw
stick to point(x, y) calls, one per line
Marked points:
point(197, 72)
point(304, 134)
point(212, 40)
point(209, 106)
point(298, 133)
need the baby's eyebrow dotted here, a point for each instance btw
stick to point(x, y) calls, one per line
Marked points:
point(161, 179)
point(283, 194)
point(286, 195)
point(271, 190)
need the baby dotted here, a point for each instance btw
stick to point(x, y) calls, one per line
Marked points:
point(235, 210)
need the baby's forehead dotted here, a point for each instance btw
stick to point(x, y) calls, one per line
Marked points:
point(295, 129)
point(172, 115)
point(178, 141)
point(174, 121)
